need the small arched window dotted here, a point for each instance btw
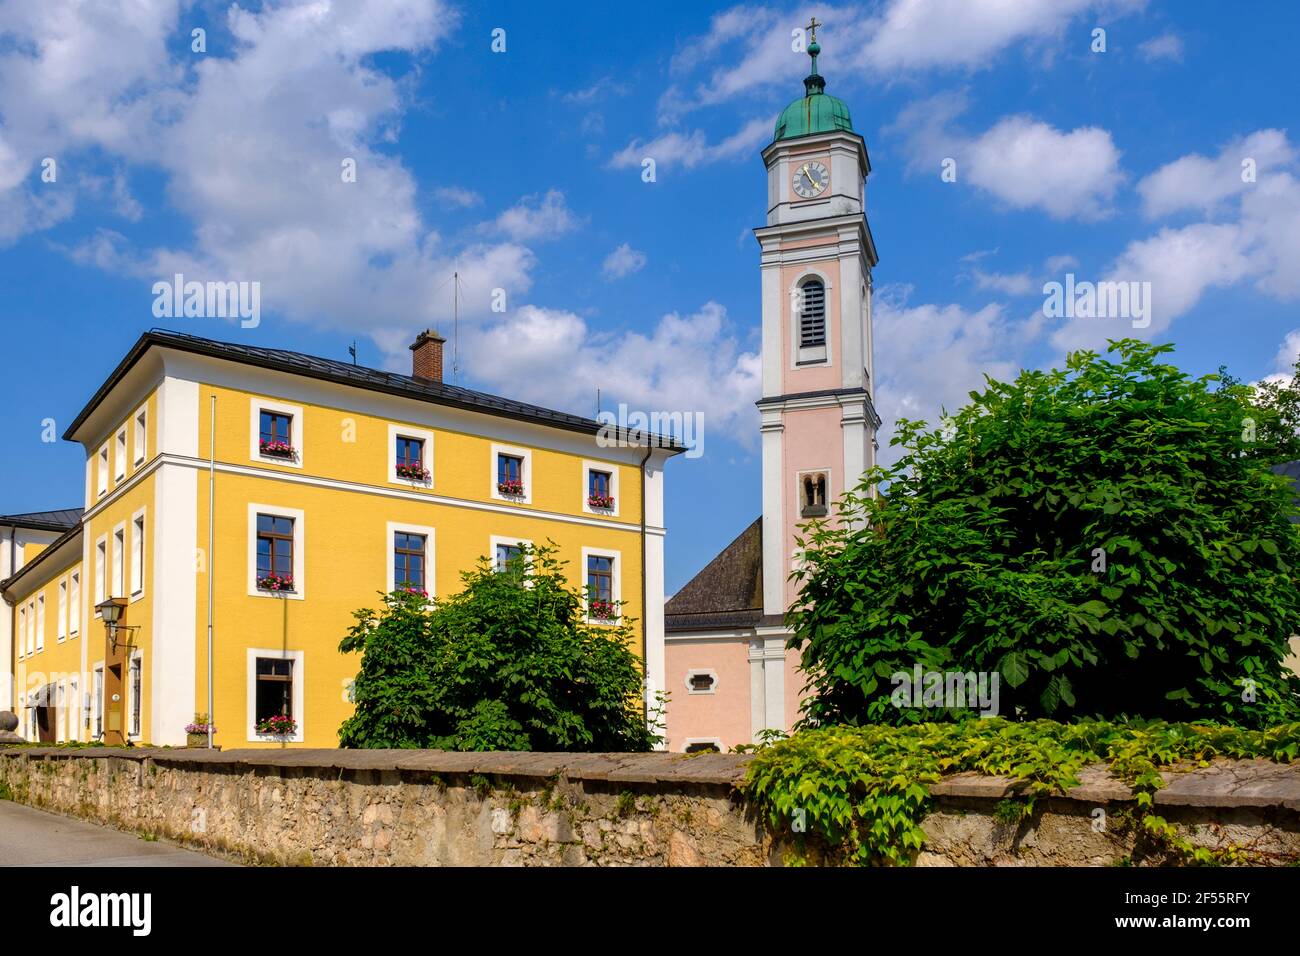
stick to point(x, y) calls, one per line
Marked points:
point(812, 314)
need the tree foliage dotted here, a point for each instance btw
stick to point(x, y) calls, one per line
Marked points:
point(508, 663)
point(1101, 536)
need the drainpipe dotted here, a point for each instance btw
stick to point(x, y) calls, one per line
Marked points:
point(212, 491)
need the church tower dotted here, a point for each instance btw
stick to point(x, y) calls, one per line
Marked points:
point(726, 663)
point(818, 418)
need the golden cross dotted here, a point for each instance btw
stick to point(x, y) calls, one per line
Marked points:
point(812, 28)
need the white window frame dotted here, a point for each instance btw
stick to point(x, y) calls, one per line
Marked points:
point(63, 610)
point(393, 528)
point(296, 432)
point(795, 293)
point(101, 571)
point(616, 585)
point(117, 547)
point(74, 604)
point(139, 531)
point(401, 431)
point(299, 552)
point(498, 539)
point(74, 709)
point(21, 641)
point(31, 628)
point(119, 455)
point(101, 471)
point(141, 420)
point(299, 680)
point(798, 490)
point(713, 689)
point(137, 657)
point(40, 622)
point(527, 455)
point(97, 701)
point(61, 712)
point(612, 470)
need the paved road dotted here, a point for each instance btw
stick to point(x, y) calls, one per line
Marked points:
point(30, 837)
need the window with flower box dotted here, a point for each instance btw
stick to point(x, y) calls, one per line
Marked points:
point(602, 599)
point(510, 474)
point(275, 436)
point(274, 689)
point(274, 553)
point(410, 459)
point(600, 489)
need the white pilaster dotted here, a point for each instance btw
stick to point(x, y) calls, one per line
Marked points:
point(172, 672)
point(773, 514)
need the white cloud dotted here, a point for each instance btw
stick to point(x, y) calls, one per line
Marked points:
point(457, 197)
point(1167, 46)
point(1061, 263)
point(1018, 283)
point(1023, 162)
point(1202, 184)
point(686, 363)
point(623, 261)
point(537, 217)
point(693, 149)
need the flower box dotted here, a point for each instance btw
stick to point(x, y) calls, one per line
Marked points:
point(603, 610)
point(413, 472)
point(601, 502)
point(276, 449)
point(275, 582)
point(511, 486)
point(280, 726)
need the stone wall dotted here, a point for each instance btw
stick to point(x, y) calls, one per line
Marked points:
point(431, 808)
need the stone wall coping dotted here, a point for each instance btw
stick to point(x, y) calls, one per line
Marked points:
point(1223, 783)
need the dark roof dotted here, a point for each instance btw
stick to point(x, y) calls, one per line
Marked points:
point(728, 592)
point(1291, 469)
point(48, 550)
point(60, 520)
point(344, 373)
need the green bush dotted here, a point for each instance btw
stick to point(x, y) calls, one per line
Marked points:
point(862, 792)
point(1098, 536)
point(508, 663)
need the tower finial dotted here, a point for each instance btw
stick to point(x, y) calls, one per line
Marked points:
point(814, 83)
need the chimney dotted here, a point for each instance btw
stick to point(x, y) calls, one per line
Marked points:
point(426, 356)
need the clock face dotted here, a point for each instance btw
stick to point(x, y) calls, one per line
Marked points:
point(811, 179)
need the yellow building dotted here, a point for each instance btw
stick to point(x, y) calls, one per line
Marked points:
point(264, 495)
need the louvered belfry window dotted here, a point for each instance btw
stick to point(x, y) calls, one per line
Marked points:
point(812, 315)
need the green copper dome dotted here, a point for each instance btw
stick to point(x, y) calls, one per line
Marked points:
point(816, 112)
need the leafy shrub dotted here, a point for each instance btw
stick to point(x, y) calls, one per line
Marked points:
point(1097, 535)
point(863, 791)
point(508, 663)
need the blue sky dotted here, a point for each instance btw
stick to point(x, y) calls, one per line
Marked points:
point(522, 170)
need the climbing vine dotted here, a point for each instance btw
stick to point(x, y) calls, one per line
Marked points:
point(863, 791)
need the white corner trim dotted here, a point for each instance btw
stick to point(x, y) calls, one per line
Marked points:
point(612, 469)
point(299, 592)
point(616, 585)
point(297, 431)
point(430, 579)
point(299, 680)
point(527, 455)
point(403, 431)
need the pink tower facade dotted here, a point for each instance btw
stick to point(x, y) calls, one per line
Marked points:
point(729, 674)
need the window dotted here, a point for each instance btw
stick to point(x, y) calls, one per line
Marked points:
point(408, 560)
point(74, 710)
point(137, 556)
point(812, 314)
point(703, 746)
point(600, 488)
point(40, 622)
point(22, 631)
point(102, 472)
point(97, 700)
point(812, 494)
point(507, 553)
point(600, 587)
point(119, 563)
point(120, 470)
point(701, 681)
point(61, 711)
point(510, 474)
point(141, 436)
point(136, 679)
point(409, 459)
point(274, 695)
point(74, 604)
point(274, 553)
point(63, 609)
point(275, 436)
point(101, 569)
